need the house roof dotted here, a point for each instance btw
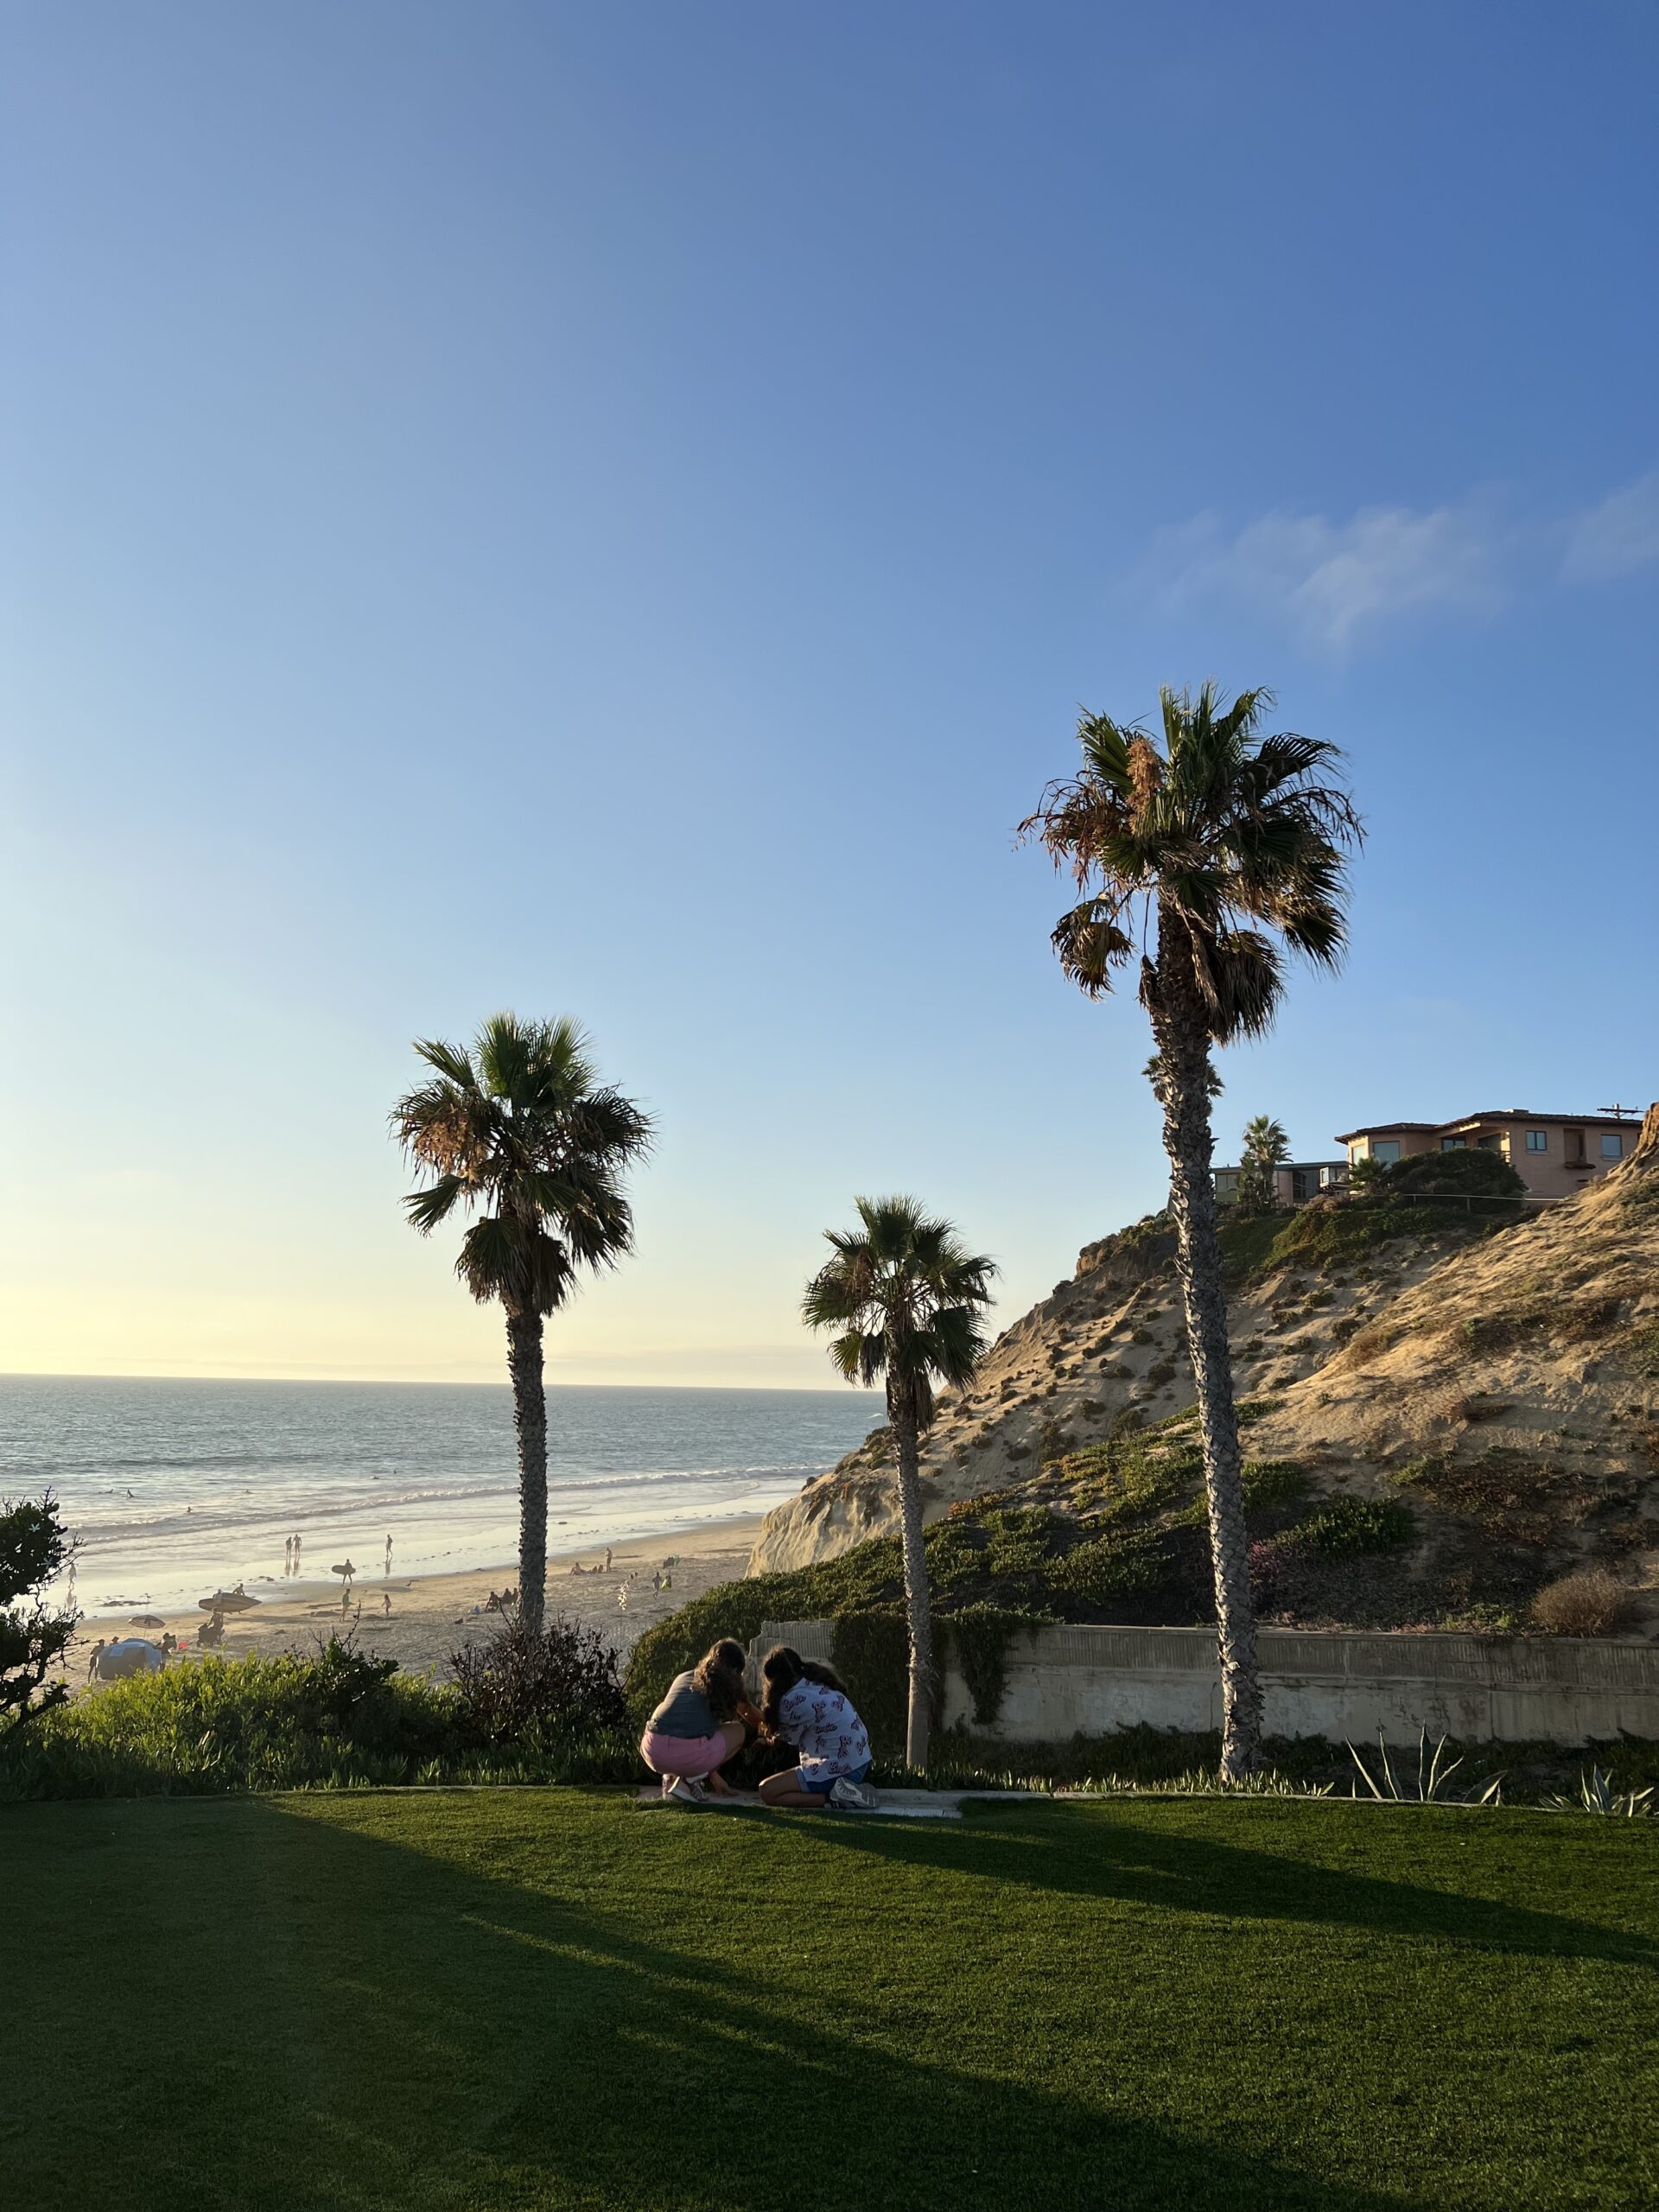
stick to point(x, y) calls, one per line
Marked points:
point(1492, 1113)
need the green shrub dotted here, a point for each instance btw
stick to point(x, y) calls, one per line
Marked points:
point(1344, 1527)
point(1472, 1172)
point(1111, 1566)
point(335, 1720)
point(871, 1653)
point(1268, 1482)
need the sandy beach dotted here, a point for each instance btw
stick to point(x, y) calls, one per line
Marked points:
point(432, 1614)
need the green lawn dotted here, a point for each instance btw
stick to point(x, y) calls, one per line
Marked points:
point(552, 1998)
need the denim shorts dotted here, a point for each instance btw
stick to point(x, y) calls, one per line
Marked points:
point(827, 1783)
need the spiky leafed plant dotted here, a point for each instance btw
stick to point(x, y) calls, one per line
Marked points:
point(1265, 1148)
point(1211, 856)
point(518, 1132)
point(907, 1299)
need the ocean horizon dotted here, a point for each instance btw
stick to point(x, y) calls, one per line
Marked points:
point(172, 1486)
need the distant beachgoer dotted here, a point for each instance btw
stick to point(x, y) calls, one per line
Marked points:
point(807, 1705)
point(169, 1644)
point(668, 1582)
point(387, 1555)
point(699, 1725)
point(92, 1664)
point(386, 1595)
point(608, 1559)
point(296, 1555)
point(656, 1579)
point(288, 1558)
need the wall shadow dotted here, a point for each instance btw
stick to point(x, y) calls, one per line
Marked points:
point(360, 2023)
point(1133, 1862)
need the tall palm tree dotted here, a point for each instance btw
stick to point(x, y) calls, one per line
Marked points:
point(518, 1132)
point(908, 1300)
point(1265, 1148)
point(1211, 856)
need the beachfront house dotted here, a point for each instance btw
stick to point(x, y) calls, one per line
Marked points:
point(1293, 1185)
point(1555, 1154)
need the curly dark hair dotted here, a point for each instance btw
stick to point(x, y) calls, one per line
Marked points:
point(718, 1676)
point(781, 1668)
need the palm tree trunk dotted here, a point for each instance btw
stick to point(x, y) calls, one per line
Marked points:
point(1184, 1049)
point(919, 1610)
point(530, 1419)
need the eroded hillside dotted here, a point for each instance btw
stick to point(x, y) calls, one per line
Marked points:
point(1490, 1398)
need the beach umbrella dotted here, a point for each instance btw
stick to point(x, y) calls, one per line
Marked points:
point(227, 1601)
point(146, 1620)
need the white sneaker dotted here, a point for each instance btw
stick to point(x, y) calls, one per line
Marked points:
point(853, 1796)
point(687, 1792)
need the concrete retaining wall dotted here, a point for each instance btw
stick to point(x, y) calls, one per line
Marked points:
point(1069, 1682)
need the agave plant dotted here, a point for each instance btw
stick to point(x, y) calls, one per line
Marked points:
point(1432, 1778)
point(1598, 1795)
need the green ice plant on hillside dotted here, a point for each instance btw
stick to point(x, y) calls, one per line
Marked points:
point(518, 1132)
point(907, 1300)
point(1208, 854)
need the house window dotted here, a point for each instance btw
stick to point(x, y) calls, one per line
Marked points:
point(1490, 1144)
point(1386, 1149)
point(1537, 1141)
point(1612, 1146)
point(1573, 1146)
point(1455, 1144)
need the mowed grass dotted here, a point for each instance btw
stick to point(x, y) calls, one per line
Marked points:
point(552, 1998)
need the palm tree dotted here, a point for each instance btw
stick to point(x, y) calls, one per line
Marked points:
point(908, 1299)
point(518, 1132)
point(1211, 856)
point(1266, 1148)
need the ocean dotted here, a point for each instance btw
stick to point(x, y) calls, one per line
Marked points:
point(173, 1488)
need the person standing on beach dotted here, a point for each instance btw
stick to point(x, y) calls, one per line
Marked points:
point(608, 1559)
point(287, 1557)
point(388, 1553)
point(296, 1555)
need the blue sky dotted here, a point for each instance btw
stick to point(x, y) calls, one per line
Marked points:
point(615, 511)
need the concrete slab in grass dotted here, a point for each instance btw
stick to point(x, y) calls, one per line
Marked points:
point(891, 1804)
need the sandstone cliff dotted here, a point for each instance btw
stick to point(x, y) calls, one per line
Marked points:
point(1505, 1381)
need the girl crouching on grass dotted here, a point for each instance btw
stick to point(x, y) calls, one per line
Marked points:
point(807, 1705)
point(699, 1725)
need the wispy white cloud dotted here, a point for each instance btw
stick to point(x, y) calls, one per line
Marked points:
point(1619, 535)
point(1338, 580)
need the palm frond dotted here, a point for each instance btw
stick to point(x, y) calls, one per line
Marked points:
point(1092, 944)
point(426, 1208)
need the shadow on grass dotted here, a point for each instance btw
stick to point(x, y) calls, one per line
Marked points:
point(377, 2022)
point(1138, 1863)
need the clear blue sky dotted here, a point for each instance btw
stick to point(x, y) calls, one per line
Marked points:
point(615, 510)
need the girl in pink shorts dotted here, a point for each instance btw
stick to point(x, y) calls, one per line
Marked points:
point(699, 1725)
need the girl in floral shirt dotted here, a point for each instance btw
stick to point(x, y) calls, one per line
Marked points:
point(807, 1705)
